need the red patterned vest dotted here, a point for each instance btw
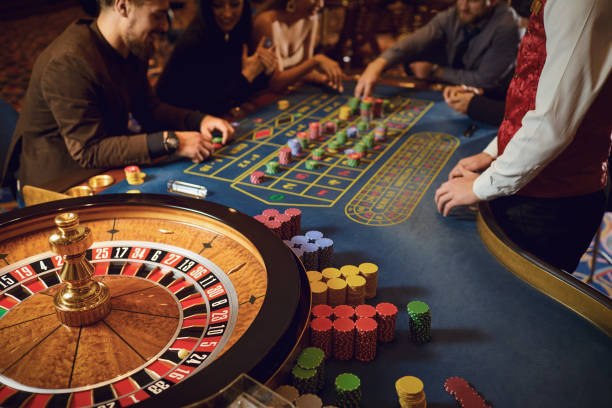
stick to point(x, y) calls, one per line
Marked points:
point(582, 167)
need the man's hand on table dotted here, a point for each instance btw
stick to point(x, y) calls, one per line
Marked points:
point(194, 145)
point(457, 191)
point(211, 123)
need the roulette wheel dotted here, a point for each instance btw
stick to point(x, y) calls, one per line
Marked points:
point(199, 294)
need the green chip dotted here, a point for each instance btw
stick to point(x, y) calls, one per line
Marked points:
point(418, 307)
point(311, 358)
point(311, 164)
point(303, 374)
point(347, 382)
point(217, 140)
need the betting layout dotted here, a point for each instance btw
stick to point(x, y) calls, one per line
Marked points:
point(387, 197)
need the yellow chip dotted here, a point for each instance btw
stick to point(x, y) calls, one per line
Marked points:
point(283, 104)
point(319, 293)
point(355, 281)
point(314, 276)
point(336, 284)
point(349, 270)
point(409, 385)
point(133, 191)
point(367, 268)
point(183, 353)
point(330, 273)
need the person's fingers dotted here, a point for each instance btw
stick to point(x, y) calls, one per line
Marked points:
point(358, 88)
point(454, 173)
point(446, 93)
point(448, 206)
point(245, 52)
point(206, 133)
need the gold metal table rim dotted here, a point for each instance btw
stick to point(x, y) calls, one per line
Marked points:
point(560, 286)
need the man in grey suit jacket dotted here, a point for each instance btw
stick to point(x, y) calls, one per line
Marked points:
point(474, 43)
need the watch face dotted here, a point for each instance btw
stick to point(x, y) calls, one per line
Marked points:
point(172, 142)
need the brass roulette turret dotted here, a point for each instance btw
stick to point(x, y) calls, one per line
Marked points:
point(81, 300)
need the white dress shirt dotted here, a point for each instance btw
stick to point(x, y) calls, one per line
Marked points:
point(578, 62)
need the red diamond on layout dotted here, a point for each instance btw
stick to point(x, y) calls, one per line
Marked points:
point(263, 133)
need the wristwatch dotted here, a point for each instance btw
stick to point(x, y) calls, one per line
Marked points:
point(171, 142)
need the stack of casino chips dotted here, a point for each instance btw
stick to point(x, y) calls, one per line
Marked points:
point(284, 155)
point(295, 146)
point(311, 164)
point(370, 272)
point(354, 105)
point(343, 338)
point(356, 288)
point(318, 153)
point(348, 390)
point(331, 127)
point(302, 137)
point(352, 132)
point(336, 292)
point(283, 104)
point(345, 112)
point(306, 381)
point(362, 126)
point(289, 392)
point(420, 321)
point(353, 159)
point(386, 107)
point(410, 392)
point(380, 132)
point(308, 401)
point(365, 110)
point(313, 358)
point(314, 130)
point(366, 339)
point(464, 393)
point(319, 292)
point(257, 177)
point(284, 225)
point(377, 109)
point(386, 315)
point(333, 146)
point(133, 175)
point(321, 334)
point(341, 137)
point(217, 142)
point(272, 167)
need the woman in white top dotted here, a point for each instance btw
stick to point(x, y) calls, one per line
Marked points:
point(293, 26)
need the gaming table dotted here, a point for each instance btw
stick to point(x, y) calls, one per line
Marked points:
point(517, 346)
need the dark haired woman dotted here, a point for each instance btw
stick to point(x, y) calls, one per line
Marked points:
point(293, 26)
point(210, 69)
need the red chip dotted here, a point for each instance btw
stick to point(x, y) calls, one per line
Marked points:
point(302, 135)
point(344, 311)
point(273, 224)
point(131, 169)
point(282, 218)
point(386, 309)
point(322, 311)
point(270, 212)
point(261, 218)
point(355, 156)
point(365, 311)
point(344, 325)
point(366, 324)
point(292, 212)
point(321, 324)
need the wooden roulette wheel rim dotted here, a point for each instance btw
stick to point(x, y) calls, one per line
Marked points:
point(263, 349)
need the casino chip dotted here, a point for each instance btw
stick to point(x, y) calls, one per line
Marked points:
point(283, 104)
point(410, 392)
point(386, 315)
point(348, 390)
point(288, 392)
point(344, 339)
point(464, 393)
point(257, 177)
point(365, 339)
point(420, 321)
